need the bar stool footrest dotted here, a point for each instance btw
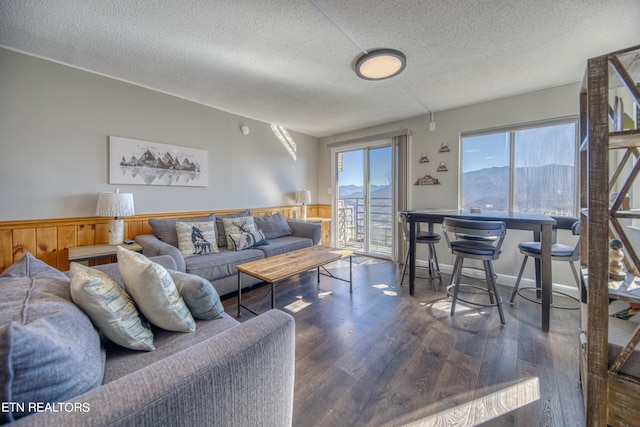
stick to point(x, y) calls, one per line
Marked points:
point(535, 300)
point(464, 289)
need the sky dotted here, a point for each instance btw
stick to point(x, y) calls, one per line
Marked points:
point(486, 151)
point(380, 166)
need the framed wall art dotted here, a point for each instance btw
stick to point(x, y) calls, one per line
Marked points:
point(132, 161)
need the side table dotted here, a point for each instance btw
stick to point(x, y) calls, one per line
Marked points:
point(325, 223)
point(91, 252)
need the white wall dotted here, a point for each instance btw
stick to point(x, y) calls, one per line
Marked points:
point(545, 104)
point(54, 127)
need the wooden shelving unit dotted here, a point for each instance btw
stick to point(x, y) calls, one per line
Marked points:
point(610, 397)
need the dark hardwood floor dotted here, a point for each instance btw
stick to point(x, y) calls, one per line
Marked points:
point(380, 357)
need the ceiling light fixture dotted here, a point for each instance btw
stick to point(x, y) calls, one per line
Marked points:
point(380, 64)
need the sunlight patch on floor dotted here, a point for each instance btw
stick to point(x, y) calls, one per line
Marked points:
point(444, 305)
point(357, 260)
point(295, 307)
point(487, 407)
point(385, 290)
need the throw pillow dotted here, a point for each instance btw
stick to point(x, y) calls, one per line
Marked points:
point(49, 349)
point(221, 235)
point(110, 308)
point(199, 295)
point(196, 238)
point(247, 240)
point(241, 224)
point(165, 228)
point(273, 226)
point(153, 290)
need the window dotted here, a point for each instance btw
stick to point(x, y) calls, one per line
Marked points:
point(528, 168)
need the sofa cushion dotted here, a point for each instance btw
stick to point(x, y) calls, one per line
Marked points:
point(273, 226)
point(285, 244)
point(123, 361)
point(246, 240)
point(110, 308)
point(199, 295)
point(222, 264)
point(152, 288)
point(49, 349)
point(165, 228)
point(196, 238)
point(221, 235)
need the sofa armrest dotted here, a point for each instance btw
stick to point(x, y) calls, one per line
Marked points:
point(152, 246)
point(243, 376)
point(310, 230)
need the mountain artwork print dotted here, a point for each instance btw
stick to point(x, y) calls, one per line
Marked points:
point(133, 161)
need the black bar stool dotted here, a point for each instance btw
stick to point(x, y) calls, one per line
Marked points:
point(426, 238)
point(559, 252)
point(479, 240)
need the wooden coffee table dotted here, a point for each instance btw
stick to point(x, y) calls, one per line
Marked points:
point(279, 267)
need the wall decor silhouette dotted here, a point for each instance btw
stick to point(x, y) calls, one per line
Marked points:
point(132, 161)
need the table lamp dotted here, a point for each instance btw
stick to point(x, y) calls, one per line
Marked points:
point(304, 197)
point(115, 205)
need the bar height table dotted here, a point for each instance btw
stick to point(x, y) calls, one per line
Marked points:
point(540, 224)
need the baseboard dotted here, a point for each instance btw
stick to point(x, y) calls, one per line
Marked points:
point(503, 279)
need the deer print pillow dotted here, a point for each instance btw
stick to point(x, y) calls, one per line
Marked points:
point(242, 224)
point(246, 240)
point(196, 238)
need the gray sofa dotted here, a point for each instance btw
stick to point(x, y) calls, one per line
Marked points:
point(220, 267)
point(224, 373)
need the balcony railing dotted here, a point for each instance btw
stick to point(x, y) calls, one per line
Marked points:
point(351, 224)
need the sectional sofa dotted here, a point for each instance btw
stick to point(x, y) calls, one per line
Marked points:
point(54, 370)
point(218, 267)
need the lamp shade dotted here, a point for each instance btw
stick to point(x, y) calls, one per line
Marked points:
point(303, 196)
point(115, 204)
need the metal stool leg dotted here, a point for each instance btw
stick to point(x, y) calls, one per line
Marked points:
point(434, 268)
point(435, 259)
point(457, 270)
point(404, 269)
point(517, 285)
point(489, 279)
point(489, 266)
point(575, 274)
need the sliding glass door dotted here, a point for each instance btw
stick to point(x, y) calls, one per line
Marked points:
point(365, 199)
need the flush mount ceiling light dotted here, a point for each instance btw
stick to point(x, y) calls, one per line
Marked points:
point(380, 64)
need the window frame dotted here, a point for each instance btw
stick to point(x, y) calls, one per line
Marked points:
point(511, 130)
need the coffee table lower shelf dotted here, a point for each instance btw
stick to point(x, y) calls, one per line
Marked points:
point(277, 268)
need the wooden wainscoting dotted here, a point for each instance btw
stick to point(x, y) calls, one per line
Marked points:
point(320, 211)
point(49, 239)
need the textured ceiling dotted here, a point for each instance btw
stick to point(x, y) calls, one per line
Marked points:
point(284, 62)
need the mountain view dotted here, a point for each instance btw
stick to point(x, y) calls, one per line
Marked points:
point(357, 191)
point(543, 188)
point(381, 215)
point(537, 188)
